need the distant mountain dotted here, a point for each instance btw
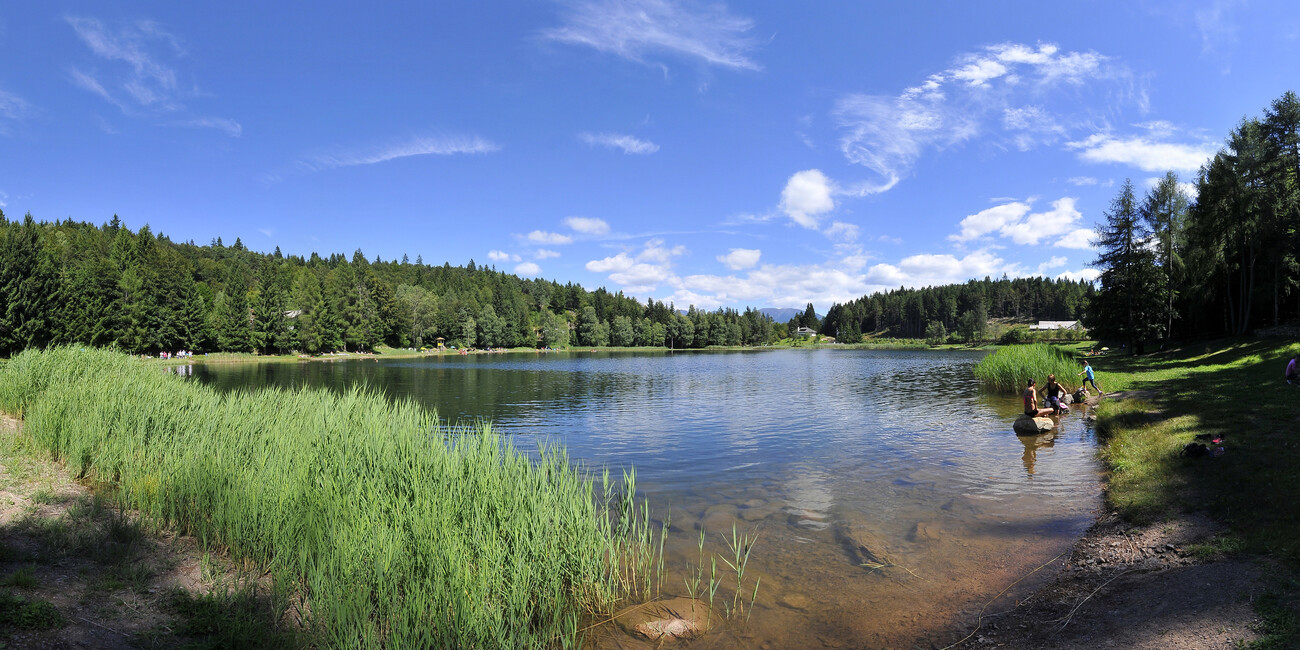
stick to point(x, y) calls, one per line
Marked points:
point(783, 314)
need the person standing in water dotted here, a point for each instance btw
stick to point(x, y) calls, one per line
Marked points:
point(1030, 399)
point(1090, 378)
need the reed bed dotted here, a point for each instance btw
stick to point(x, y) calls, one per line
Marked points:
point(397, 531)
point(1009, 368)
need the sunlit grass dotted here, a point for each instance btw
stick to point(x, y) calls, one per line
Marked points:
point(1232, 391)
point(398, 531)
point(1009, 368)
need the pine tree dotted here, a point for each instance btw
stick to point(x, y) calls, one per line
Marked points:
point(1129, 306)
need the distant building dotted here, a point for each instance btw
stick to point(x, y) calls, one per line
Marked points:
point(805, 331)
point(1056, 325)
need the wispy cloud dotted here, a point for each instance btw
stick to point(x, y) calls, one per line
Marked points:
point(139, 74)
point(545, 253)
point(145, 78)
point(551, 238)
point(626, 143)
point(587, 225)
point(1022, 95)
point(229, 127)
point(415, 146)
point(639, 29)
point(12, 109)
point(502, 256)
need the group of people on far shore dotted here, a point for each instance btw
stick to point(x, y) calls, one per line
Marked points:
point(1053, 391)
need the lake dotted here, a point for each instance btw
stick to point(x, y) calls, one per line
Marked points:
point(839, 460)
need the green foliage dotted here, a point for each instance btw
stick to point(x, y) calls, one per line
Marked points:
point(234, 619)
point(1008, 369)
point(397, 530)
point(935, 333)
point(28, 613)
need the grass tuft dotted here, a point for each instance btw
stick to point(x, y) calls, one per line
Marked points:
point(1009, 368)
point(396, 530)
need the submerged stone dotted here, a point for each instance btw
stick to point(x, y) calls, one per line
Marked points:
point(679, 618)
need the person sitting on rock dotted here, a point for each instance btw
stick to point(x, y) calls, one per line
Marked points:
point(1031, 402)
point(1054, 392)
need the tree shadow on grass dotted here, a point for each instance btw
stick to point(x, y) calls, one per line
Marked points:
point(1237, 395)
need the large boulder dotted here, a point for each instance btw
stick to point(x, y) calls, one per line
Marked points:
point(1031, 426)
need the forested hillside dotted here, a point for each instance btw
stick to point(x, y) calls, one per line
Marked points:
point(963, 309)
point(72, 282)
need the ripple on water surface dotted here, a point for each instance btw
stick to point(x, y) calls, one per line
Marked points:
point(841, 461)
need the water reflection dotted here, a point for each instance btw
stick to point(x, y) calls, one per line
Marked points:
point(828, 455)
point(1032, 445)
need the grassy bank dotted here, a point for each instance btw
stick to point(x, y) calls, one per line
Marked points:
point(1234, 391)
point(397, 532)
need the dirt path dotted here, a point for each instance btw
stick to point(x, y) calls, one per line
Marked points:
point(77, 573)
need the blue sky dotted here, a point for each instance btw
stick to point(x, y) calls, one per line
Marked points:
point(764, 154)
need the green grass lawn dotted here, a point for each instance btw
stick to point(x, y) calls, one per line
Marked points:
point(1233, 390)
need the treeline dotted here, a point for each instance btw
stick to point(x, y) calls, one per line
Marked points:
point(76, 283)
point(963, 310)
point(1222, 263)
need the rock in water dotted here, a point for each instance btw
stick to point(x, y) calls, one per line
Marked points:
point(1028, 426)
point(679, 618)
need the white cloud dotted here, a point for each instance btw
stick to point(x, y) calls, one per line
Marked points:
point(552, 238)
point(416, 146)
point(990, 220)
point(1089, 275)
point(740, 258)
point(502, 256)
point(1143, 153)
point(1054, 262)
point(1080, 238)
point(1041, 225)
point(1082, 180)
point(1016, 222)
point(628, 144)
point(3, 197)
point(981, 91)
point(587, 225)
point(932, 270)
point(544, 254)
point(806, 195)
point(643, 272)
point(527, 268)
point(636, 29)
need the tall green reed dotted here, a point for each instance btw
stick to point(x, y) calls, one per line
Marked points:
point(398, 531)
point(1009, 368)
